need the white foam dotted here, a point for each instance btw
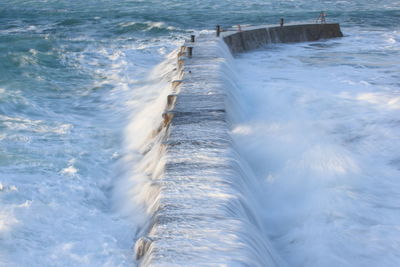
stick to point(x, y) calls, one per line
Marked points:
point(203, 204)
point(321, 130)
point(134, 192)
point(58, 171)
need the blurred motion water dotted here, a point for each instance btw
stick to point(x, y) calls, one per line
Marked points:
point(74, 75)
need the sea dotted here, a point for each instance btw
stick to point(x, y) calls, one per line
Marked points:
point(319, 126)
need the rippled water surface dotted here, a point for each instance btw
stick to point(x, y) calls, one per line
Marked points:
point(74, 75)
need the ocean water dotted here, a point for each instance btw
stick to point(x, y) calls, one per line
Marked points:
point(80, 90)
point(321, 130)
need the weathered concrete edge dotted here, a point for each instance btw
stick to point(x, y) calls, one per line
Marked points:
point(246, 40)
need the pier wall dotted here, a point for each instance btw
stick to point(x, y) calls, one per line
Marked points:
point(249, 39)
point(203, 210)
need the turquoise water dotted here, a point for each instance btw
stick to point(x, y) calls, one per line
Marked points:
point(72, 75)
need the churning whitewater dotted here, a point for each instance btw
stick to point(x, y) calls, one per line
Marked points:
point(322, 132)
point(312, 132)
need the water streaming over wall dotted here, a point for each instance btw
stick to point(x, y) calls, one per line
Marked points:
point(321, 132)
point(204, 208)
point(79, 104)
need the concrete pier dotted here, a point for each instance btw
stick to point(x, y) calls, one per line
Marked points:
point(256, 37)
point(201, 206)
point(202, 213)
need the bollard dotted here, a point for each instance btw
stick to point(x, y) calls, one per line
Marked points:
point(192, 38)
point(181, 63)
point(171, 101)
point(182, 51)
point(218, 30)
point(176, 83)
point(190, 51)
point(167, 116)
point(282, 21)
point(142, 245)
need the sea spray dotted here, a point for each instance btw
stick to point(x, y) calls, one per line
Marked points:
point(137, 191)
point(206, 211)
point(67, 69)
point(321, 134)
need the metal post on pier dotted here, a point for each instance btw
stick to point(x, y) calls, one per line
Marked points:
point(282, 22)
point(218, 30)
point(321, 17)
point(190, 51)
